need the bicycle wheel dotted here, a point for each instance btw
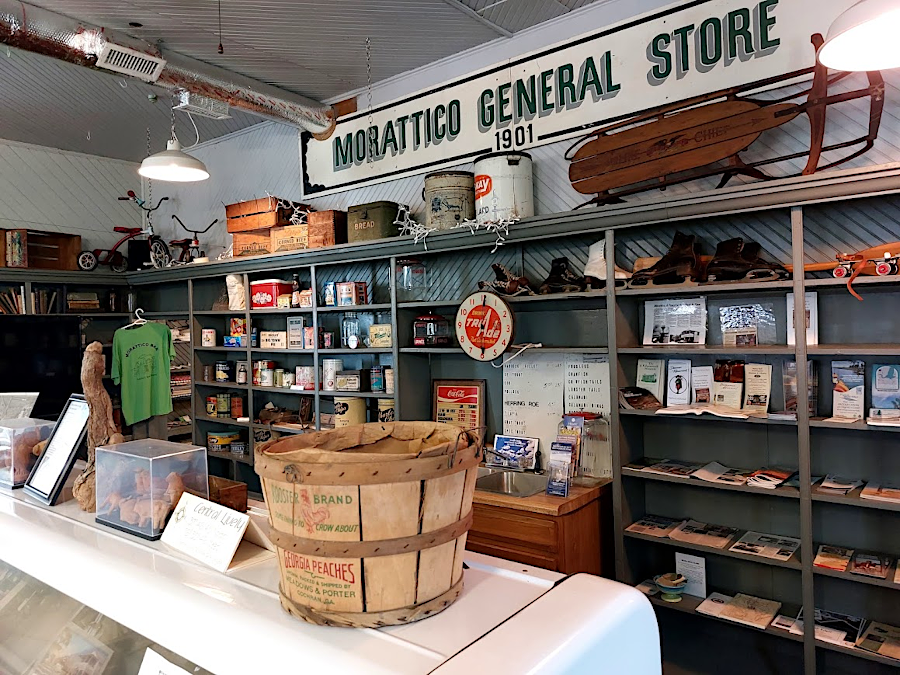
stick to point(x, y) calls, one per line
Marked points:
point(87, 261)
point(159, 253)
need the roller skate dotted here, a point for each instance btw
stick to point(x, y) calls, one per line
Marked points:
point(562, 279)
point(506, 283)
point(595, 268)
point(680, 265)
point(738, 261)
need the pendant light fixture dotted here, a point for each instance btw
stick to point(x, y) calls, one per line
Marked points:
point(864, 38)
point(173, 164)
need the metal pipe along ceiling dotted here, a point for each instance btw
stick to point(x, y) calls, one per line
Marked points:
point(43, 32)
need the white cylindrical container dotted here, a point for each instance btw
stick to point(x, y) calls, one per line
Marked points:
point(388, 380)
point(208, 337)
point(330, 369)
point(449, 198)
point(349, 411)
point(503, 187)
point(267, 377)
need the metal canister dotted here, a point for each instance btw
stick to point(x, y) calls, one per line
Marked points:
point(330, 369)
point(388, 380)
point(237, 406)
point(258, 367)
point(349, 411)
point(503, 187)
point(279, 377)
point(266, 377)
point(220, 441)
point(223, 371)
point(376, 378)
point(238, 448)
point(330, 294)
point(208, 337)
point(386, 410)
point(305, 377)
point(449, 198)
point(212, 406)
point(223, 405)
point(288, 380)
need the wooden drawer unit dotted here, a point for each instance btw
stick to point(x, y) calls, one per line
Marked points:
point(515, 526)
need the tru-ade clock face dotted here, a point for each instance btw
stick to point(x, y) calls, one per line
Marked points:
point(484, 326)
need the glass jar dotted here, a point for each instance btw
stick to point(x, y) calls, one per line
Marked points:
point(350, 331)
point(594, 453)
point(431, 330)
point(412, 280)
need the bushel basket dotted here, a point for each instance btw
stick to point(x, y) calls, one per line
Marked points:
point(370, 521)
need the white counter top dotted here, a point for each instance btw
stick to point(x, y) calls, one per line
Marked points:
point(233, 623)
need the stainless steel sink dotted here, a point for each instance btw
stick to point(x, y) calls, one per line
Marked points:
point(487, 471)
point(511, 483)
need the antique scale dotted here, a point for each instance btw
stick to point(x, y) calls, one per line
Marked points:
point(484, 326)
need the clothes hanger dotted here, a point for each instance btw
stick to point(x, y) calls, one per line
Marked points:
point(139, 320)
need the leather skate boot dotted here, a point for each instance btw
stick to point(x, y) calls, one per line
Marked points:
point(506, 282)
point(562, 279)
point(738, 261)
point(680, 265)
point(595, 268)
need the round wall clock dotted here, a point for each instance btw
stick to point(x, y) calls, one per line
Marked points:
point(484, 326)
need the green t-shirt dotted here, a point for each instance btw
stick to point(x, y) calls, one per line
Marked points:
point(141, 364)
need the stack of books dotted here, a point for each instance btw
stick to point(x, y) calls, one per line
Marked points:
point(181, 386)
point(83, 302)
point(12, 302)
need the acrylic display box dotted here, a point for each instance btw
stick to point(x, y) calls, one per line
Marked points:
point(140, 482)
point(17, 440)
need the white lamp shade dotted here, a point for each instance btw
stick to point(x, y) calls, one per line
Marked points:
point(864, 38)
point(173, 165)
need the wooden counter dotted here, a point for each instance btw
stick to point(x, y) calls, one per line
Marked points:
point(564, 534)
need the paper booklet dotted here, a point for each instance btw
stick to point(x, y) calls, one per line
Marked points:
point(714, 604)
point(650, 376)
point(673, 467)
point(757, 387)
point(750, 611)
point(848, 394)
point(833, 627)
point(871, 565)
point(833, 557)
point(835, 485)
point(812, 319)
point(655, 526)
point(700, 408)
point(791, 389)
point(678, 382)
point(881, 638)
point(701, 384)
point(728, 383)
point(681, 321)
point(718, 473)
point(886, 387)
point(769, 478)
point(781, 621)
point(881, 493)
point(637, 398)
point(767, 545)
point(695, 532)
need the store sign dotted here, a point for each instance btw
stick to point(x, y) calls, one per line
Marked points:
point(672, 55)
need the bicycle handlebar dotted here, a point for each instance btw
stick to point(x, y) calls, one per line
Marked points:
point(174, 217)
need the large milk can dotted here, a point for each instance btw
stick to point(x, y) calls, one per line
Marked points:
point(503, 187)
point(449, 198)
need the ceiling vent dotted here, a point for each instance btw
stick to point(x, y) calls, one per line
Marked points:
point(202, 105)
point(130, 62)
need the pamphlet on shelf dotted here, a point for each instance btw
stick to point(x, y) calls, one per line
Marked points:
point(700, 408)
point(701, 384)
point(648, 587)
point(848, 394)
point(637, 398)
point(881, 492)
point(833, 557)
point(870, 565)
point(650, 376)
point(719, 473)
point(560, 466)
point(879, 417)
point(832, 627)
point(836, 485)
point(673, 467)
point(714, 604)
point(812, 319)
point(767, 545)
point(750, 611)
point(675, 321)
point(757, 387)
point(692, 568)
point(678, 382)
point(782, 621)
point(791, 390)
point(703, 534)
point(886, 387)
point(654, 526)
point(881, 638)
point(728, 383)
point(748, 325)
point(769, 478)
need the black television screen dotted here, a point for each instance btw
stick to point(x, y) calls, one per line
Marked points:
point(43, 354)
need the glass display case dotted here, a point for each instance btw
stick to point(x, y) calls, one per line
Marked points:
point(17, 441)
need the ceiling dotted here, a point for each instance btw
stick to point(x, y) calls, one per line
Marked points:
point(310, 47)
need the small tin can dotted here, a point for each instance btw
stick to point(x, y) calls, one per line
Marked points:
point(330, 295)
point(208, 373)
point(238, 448)
point(267, 377)
point(220, 441)
point(376, 378)
point(328, 340)
point(223, 371)
point(254, 337)
point(211, 406)
point(388, 380)
point(238, 326)
point(208, 337)
point(288, 379)
point(386, 410)
point(330, 368)
point(258, 367)
point(237, 407)
point(279, 377)
point(223, 405)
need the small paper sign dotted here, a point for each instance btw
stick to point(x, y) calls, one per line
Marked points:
point(205, 531)
point(154, 664)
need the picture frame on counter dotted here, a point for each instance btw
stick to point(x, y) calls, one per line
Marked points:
point(47, 478)
point(459, 402)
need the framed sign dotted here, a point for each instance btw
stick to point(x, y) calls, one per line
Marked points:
point(49, 474)
point(459, 402)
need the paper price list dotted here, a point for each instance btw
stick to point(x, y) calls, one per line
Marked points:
point(533, 396)
point(587, 384)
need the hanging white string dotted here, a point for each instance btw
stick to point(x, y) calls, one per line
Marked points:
point(499, 228)
point(411, 228)
point(522, 348)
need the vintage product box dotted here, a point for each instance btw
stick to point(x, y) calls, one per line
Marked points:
point(16, 248)
point(295, 326)
point(234, 340)
point(17, 440)
point(251, 243)
point(290, 238)
point(237, 326)
point(309, 337)
point(327, 228)
point(329, 294)
point(349, 293)
point(264, 293)
point(848, 394)
point(352, 380)
point(273, 339)
point(306, 299)
point(380, 335)
point(372, 221)
point(140, 482)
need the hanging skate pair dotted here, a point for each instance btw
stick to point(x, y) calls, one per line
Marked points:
point(735, 260)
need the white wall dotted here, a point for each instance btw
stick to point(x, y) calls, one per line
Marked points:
point(58, 191)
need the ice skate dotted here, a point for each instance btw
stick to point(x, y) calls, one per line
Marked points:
point(738, 261)
point(562, 279)
point(680, 265)
point(595, 268)
point(506, 283)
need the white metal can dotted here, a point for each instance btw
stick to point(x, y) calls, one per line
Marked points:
point(305, 377)
point(208, 337)
point(349, 411)
point(449, 198)
point(267, 377)
point(330, 369)
point(389, 380)
point(503, 187)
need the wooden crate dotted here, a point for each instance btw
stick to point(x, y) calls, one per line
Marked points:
point(327, 228)
point(53, 251)
point(258, 214)
point(252, 243)
point(230, 493)
point(290, 238)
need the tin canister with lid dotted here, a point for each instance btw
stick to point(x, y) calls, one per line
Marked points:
point(386, 410)
point(449, 198)
point(503, 187)
point(349, 411)
point(223, 405)
point(223, 371)
point(376, 378)
point(388, 380)
point(208, 337)
point(212, 406)
point(330, 369)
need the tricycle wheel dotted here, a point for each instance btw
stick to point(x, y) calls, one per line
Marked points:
point(87, 261)
point(159, 253)
point(119, 263)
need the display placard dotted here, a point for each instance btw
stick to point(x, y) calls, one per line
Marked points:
point(208, 532)
point(52, 468)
